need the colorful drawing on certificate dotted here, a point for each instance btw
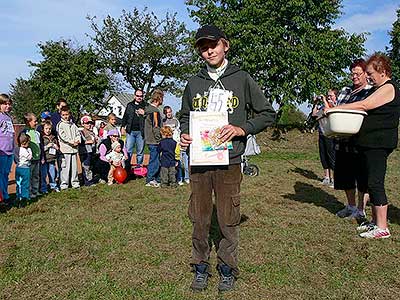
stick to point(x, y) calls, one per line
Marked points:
point(206, 147)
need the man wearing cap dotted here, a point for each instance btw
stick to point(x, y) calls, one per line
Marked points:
point(133, 125)
point(242, 94)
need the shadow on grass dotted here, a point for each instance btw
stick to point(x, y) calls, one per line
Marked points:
point(308, 193)
point(306, 173)
point(13, 202)
point(394, 214)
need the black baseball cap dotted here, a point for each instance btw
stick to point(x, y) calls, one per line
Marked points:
point(209, 32)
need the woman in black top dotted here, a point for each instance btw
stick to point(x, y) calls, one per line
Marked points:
point(377, 138)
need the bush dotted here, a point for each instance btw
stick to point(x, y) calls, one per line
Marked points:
point(291, 117)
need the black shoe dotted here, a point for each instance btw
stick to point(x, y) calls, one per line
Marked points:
point(226, 279)
point(200, 279)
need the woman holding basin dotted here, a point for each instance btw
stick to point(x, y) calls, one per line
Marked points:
point(377, 138)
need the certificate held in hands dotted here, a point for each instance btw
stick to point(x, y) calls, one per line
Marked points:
point(206, 148)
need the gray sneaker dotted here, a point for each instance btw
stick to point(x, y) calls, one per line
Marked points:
point(347, 211)
point(200, 279)
point(226, 279)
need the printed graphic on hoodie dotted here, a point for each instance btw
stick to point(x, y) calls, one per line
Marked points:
point(216, 99)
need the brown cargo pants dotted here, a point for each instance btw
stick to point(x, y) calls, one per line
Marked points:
point(224, 181)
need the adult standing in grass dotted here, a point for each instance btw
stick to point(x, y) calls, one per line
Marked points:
point(377, 138)
point(347, 158)
point(6, 144)
point(152, 136)
point(325, 144)
point(222, 181)
point(133, 127)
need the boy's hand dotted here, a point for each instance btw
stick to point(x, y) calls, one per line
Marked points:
point(186, 140)
point(123, 131)
point(229, 131)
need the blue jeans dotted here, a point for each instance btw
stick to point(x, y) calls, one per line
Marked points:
point(23, 181)
point(48, 169)
point(153, 169)
point(185, 163)
point(5, 169)
point(178, 173)
point(135, 138)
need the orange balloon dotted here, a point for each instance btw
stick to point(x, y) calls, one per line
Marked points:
point(120, 174)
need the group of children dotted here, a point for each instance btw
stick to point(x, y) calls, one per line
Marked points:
point(46, 155)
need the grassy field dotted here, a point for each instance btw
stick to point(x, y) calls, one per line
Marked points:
point(133, 242)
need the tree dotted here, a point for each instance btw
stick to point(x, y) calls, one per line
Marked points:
point(75, 74)
point(394, 52)
point(289, 47)
point(24, 99)
point(149, 53)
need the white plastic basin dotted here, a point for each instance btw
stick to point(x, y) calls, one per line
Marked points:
point(341, 122)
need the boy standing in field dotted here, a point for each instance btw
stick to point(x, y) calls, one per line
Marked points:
point(169, 152)
point(49, 157)
point(87, 150)
point(69, 138)
point(222, 181)
point(22, 158)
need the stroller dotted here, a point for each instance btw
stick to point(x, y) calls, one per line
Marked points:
point(252, 148)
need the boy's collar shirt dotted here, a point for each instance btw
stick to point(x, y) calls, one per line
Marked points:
point(216, 73)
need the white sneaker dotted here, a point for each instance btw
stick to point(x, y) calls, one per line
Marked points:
point(325, 181)
point(347, 211)
point(153, 183)
point(102, 181)
point(332, 184)
point(377, 233)
point(366, 226)
point(180, 183)
point(187, 181)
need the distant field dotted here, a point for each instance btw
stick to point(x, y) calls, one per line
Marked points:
point(133, 242)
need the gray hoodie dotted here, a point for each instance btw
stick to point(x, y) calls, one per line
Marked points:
point(152, 125)
point(247, 98)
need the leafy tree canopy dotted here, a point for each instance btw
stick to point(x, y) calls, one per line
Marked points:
point(24, 99)
point(148, 52)
point(289, 46)
point(75, 74)
point(394, 52)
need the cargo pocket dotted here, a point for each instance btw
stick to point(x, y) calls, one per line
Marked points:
point(191, 209)
point(233, 217)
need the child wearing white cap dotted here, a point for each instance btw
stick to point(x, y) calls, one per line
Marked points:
point(116, 158)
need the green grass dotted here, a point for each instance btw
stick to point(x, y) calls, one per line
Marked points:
point(132, 242)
